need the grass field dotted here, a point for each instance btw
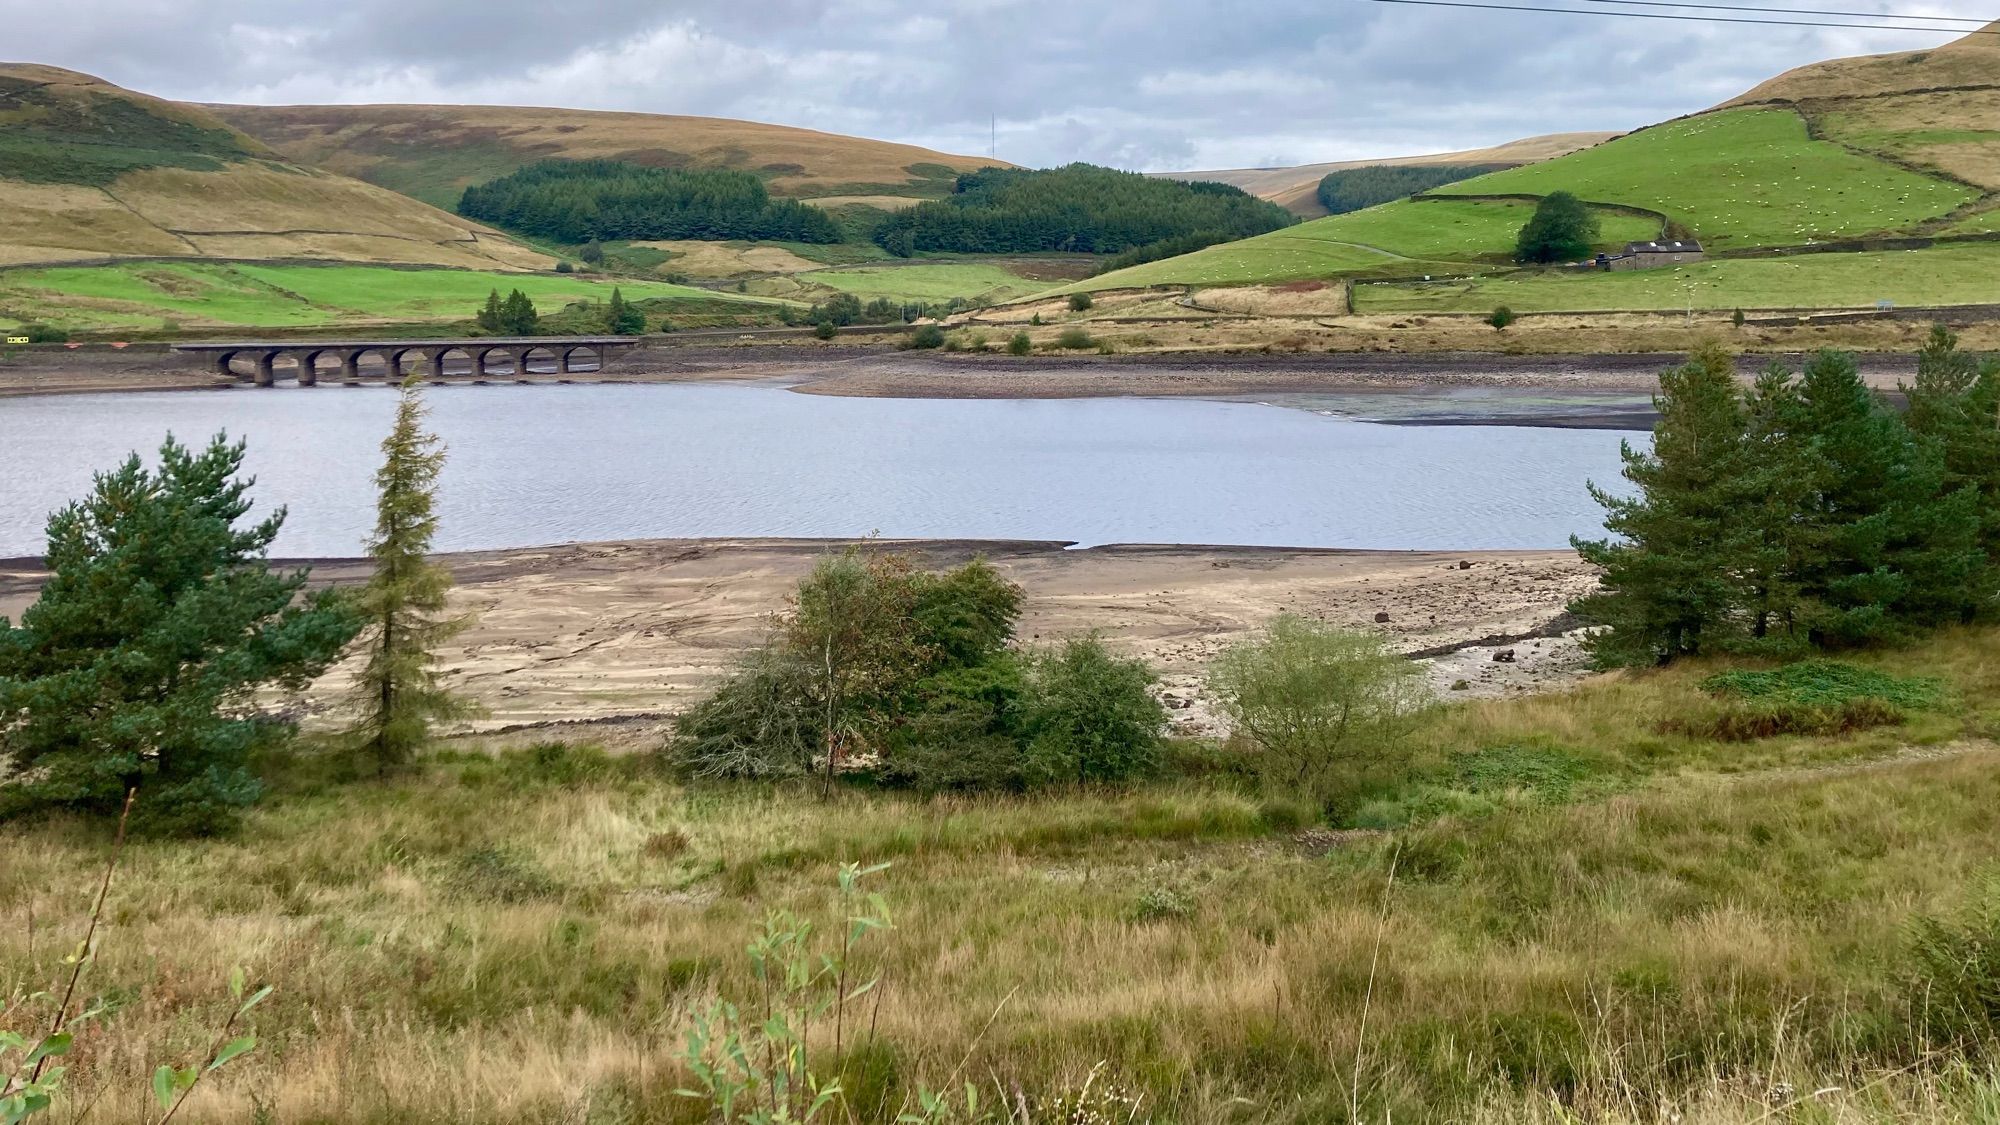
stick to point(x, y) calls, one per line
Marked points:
point(1966, 273)
point(928, 282)
point(1565, 915)
point(197, 295)
point(1739, 178)
point(1409, 237)
point(1458, 229)
point(1276, 257)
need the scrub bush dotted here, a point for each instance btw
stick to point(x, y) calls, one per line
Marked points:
point(1092, 716)
point(1324, 707)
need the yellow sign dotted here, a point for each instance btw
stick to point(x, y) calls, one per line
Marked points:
point(17, 339)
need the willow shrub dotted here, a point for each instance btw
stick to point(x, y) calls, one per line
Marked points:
point(1324, 708)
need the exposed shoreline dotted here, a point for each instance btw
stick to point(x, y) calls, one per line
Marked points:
point(1608, 392)
point(620, 634)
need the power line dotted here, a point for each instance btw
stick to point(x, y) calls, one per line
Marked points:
point(1798, 11)
point(1687, 18)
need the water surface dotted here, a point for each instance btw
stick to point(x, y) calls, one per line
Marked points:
point(534, 465)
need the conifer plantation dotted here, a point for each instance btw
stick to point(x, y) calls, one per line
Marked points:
point(398, 693)
point(1076, 208)
point(586, 201)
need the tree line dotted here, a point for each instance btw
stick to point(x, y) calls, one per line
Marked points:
point(516, 315)
point(1803, 512)
point(579, 201)
point(1356, 189)
point(1078, 208)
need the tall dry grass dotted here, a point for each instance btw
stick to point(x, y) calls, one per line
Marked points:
point(521, 939)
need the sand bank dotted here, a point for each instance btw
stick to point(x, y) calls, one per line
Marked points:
point(635, 631)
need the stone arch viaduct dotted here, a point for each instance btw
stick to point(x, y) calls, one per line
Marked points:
point(434, 358)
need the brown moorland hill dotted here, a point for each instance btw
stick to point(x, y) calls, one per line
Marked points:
point(1968, 62)
point(1296, 188)
point(434, 152)
point(90, 170)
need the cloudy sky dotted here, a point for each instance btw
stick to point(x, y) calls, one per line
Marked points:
point(1145, 84)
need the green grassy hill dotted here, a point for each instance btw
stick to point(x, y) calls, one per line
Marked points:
point(1402, 239)
point(1955, 274)
point(1742, 178)
point(89, 170)
point(1900, 146)
point(162, 297)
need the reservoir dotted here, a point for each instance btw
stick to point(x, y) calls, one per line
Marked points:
point(533, 465)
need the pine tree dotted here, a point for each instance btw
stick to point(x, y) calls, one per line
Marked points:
point(491, 317)
point(622, 318)
point(398, 692)
point(160, 622)
point(1955, 406)
point(1881, 544)
point(1670, 587)
point(1780, 471)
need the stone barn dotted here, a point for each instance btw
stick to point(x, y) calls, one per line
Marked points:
point(1651, 255)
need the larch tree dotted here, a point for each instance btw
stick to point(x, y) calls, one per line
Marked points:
point(399, 692)
point(491, 316)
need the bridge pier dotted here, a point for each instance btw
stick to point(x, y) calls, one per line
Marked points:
point(308, 369)
point(266, 374)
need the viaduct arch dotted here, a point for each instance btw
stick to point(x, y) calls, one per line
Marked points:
point(558, 354)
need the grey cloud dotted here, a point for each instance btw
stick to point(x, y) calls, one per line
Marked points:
point(1163, 84)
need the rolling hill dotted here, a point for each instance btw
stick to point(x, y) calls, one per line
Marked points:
point(1936, 110)
point(434, 152)
point(1837, 156)
point(1743, 178)
point(89, 170)
point(1295, 189)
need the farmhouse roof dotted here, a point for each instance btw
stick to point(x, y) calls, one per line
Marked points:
point(1689, 247)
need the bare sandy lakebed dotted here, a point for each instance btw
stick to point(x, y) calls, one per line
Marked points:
point(622, 635)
